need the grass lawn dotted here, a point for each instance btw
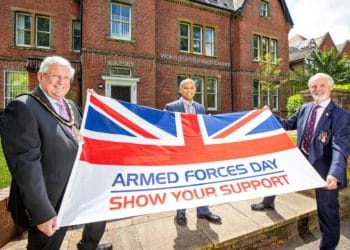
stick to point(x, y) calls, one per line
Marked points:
point(5, 177)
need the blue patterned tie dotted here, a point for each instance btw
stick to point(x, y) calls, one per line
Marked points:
point(309, 130)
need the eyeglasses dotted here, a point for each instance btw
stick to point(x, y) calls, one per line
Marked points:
point(57, 78)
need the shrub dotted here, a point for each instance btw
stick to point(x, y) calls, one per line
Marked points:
point(293, 103)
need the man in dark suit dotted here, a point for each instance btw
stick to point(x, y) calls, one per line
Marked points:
point(39, 137)
point(324, 139)
point(186, 104)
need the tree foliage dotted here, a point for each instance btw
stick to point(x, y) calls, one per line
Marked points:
point(330, 62)
point(269, 75)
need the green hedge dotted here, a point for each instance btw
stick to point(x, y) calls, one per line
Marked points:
point(293, 103)
point(5, 176)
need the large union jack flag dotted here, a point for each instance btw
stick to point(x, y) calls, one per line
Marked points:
point(137, 160)
point(150, 137)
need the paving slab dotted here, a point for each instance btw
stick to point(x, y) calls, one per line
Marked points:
point(242, 228)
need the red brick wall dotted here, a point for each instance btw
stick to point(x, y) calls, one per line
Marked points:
point(196, 65)
point(62, 12)
point(155, 32)
point(7, 227)
point(245, 26)
point(100, 51)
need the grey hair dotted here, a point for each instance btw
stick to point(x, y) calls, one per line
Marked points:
point(325, 76)
point(187, 80)
point(50, 60)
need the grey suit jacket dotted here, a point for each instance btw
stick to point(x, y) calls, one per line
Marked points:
point(40, 153)
point(178, 106)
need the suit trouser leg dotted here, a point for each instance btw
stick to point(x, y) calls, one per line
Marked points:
point(203, 210)
point(38, 240)
point(328, 217)
point(92, 235)
point(181, 211)
point(269, 200)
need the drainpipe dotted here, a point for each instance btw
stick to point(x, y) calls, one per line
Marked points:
point(231, 63)
point(81, 47)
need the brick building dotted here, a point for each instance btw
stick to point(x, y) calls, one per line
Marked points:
point(139, 50)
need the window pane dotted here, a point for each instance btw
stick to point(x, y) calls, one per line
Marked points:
point(197, 39)
point(256, 47)
point(43, 32)
point(184, 37)
point(184, 30)
point(43, 40)
point(120, 71)
point(264, 9)
point(209, 42)
point(256, 94)
point(212, 93)
point(16, 82)
point(76, 35)
point(43, 24)
point(121, 21)
point(265, 47)
point(199, 89)
point(274, 50)
point(23, 29)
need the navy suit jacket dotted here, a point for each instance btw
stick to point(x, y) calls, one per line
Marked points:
point(328, 154)
point(178, 106)
point(40, 153)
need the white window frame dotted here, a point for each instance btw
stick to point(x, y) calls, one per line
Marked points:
point(198, 39)
point(209, 43)
point(118, 68)
point(18, 29)
point(265, 47)
point(124, 82)
point(37, 31)
point(74, 35)
point(274, 51)
point(199, 80)
point(264, 9)
point(256, 41)
point(185, 37)
point(7, 85)
point(215, 94)
point(266, 101)
point(122, 23)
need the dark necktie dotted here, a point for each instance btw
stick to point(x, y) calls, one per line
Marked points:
point(309, 130)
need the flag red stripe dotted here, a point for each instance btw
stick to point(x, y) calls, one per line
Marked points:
point(120, 118)
point(114, 153)
point(239, 124)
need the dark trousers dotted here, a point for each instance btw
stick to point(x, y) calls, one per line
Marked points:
point(328, 217)
point(269, 200)
point(203, 210)
point(38, 240)
point(92, 235)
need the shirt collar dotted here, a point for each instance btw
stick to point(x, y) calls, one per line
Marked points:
point(51, 100)
point(185, 101)
point(325, 103)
